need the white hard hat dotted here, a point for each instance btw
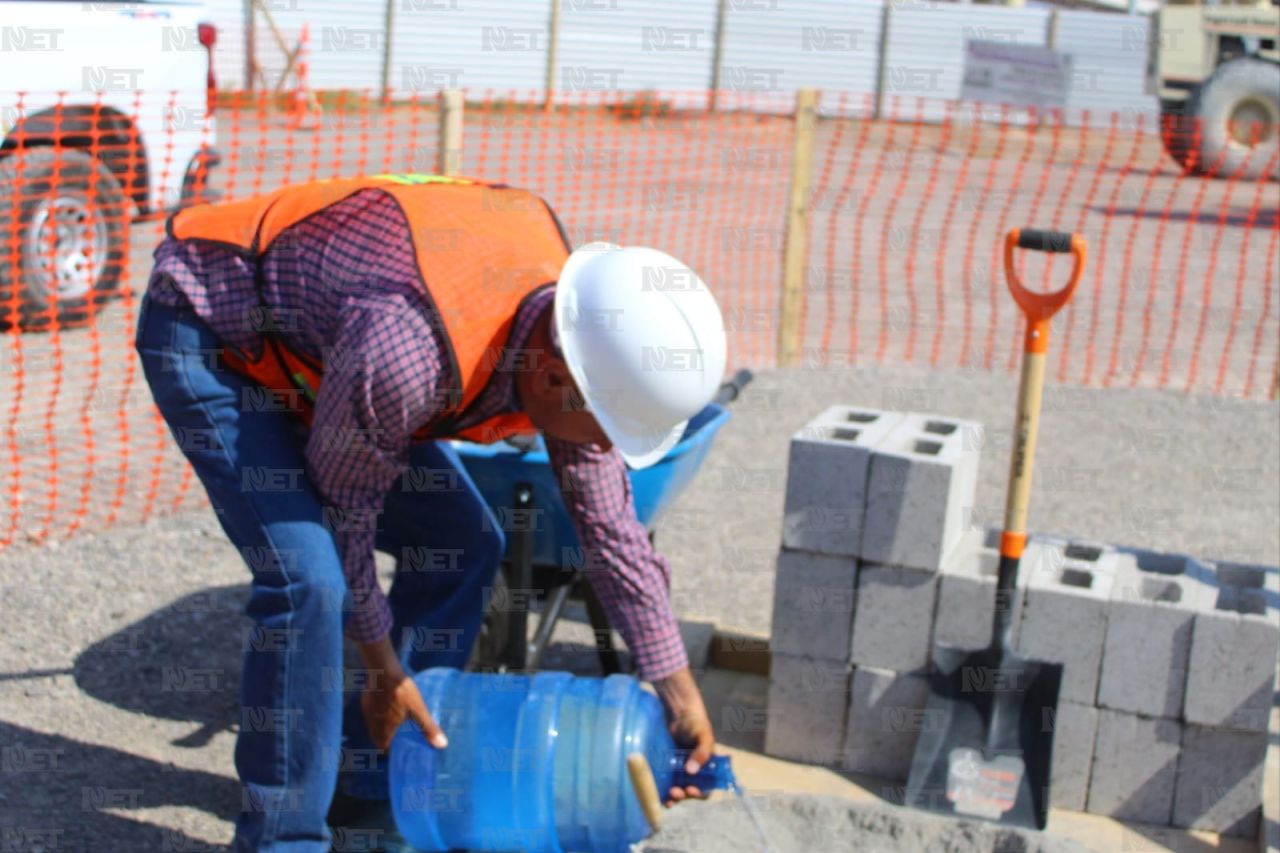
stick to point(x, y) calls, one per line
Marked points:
point(644, 340)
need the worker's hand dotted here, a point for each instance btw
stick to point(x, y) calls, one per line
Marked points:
point(392, 696)
point(689, 724)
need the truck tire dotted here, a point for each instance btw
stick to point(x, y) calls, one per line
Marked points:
point(1177, 132)
point(64, 237)
point(1239, 105)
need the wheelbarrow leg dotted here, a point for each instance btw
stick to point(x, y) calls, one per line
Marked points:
point(521, 580)
point(609, 661)
point(550, 617)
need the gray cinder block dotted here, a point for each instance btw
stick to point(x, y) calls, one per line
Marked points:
point(886, 716)
point(807, 704)
point(1074, 729)
point(967, 590)
point(827, 471)
point(1233, 650)
point(813, 605)
point(1135, 767)
point(920, 491)
point(1153, 605)
point(893, 614)
point(1220, 780)
point(1064, 611)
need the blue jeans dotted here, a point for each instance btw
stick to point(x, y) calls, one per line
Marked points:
point(294, 736)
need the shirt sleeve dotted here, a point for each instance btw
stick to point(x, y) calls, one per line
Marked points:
point(379, 386)
point(631, 579)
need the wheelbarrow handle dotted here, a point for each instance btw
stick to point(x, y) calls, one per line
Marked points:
point(730, 390)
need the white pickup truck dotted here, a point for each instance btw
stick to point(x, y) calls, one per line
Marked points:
point(106, 115)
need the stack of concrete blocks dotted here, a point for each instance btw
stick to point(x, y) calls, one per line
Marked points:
point(877, 511)
point(1168, 661)
point(1185, 693)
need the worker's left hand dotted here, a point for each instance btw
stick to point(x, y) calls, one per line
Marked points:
point(689, 724)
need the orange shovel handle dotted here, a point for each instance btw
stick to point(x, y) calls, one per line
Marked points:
point(1039, 308)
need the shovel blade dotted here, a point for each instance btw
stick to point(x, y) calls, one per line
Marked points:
point(988, 748)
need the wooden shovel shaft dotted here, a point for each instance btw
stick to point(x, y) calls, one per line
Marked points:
point(646, 789)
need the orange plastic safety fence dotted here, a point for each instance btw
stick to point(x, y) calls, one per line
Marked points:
point(907, 204)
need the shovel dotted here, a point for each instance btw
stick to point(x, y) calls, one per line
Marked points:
point(987, 745)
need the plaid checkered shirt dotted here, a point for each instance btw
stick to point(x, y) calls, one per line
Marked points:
point(343, 287)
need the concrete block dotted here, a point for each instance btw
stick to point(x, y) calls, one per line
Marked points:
point(1135, 767)
point(920, 491)
point(807, 707)
point(1233, 649)
point(893, 615)
point(886, 716)
point(1220, 781)
point(1153, 604)
point(1064, 611)
point(827, 471)
point(813, 605)
point(967, 591)
point(1074, 729)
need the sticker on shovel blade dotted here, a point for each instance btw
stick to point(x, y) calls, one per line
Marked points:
point(985, 789)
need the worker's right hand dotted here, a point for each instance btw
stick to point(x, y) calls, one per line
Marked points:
point(388, 701)
point(391, 696)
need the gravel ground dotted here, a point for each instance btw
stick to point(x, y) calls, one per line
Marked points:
point(119, 656)
point(800, 824)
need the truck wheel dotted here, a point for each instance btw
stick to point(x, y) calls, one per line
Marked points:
point(1177, 132)
point(1238, 110)
point(64, 237)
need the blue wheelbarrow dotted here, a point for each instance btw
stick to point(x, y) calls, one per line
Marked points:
point(544, 559)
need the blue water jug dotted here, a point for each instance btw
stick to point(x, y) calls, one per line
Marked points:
point(534, 763)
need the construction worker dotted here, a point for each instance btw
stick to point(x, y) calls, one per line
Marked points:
point(311, 348)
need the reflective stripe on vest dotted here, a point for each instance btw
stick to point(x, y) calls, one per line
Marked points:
point(481, 249)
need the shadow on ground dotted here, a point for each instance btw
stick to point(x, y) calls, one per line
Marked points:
point(181, 662)
point(62, 794)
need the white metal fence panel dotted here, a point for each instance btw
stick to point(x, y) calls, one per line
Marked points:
point(926, 47)
point(479, 45)
point(228, 52)
point(828, 44)
point(1108, 62)
point(632, 45)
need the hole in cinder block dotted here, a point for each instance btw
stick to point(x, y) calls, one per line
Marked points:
point(1234, 574)
point(845, 434)
point(991, 538)
point(1164, 564)
point(862, 417)
point(1158, 590)
point(939, 427)
point(1238, 600)
point(1076, 577)
point(1077, 551)
point(928, 448)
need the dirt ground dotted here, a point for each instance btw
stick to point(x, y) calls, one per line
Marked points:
point(96, 627)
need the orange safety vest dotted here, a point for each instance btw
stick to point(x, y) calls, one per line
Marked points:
point(482, 249)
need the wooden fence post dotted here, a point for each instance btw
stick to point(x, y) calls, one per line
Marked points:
point(796, 247)
point(387, 23)
point(553, 53)
point(449, 146)
point(717, 54)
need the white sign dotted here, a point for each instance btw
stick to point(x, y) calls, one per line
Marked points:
point(1020, 75)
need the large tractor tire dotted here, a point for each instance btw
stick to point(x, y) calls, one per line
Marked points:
point(1238, 113)
point(64, 237)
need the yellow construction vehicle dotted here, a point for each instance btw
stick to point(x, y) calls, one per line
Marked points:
point(1216, 70)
